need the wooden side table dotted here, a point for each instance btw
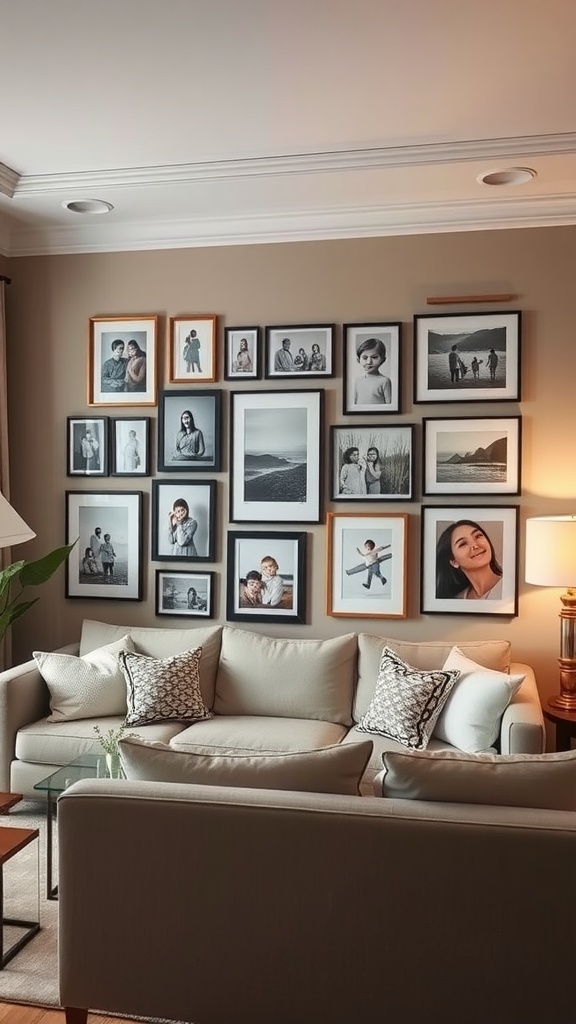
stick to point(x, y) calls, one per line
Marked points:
point(12, 840)
point(565, 722)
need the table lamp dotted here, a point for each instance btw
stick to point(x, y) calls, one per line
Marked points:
point(551, 562)
point(13, 529)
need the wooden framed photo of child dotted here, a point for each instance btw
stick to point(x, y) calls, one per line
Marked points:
point(366, 562)
point(266, 577)
point(372, 362)
point(192, 348)
point(372, 462)
point(185, 594)
point(130, 446)
point(183, 521)
point(107, 560)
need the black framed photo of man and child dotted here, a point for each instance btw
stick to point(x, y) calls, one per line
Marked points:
point(108, 445)
point(106, 561)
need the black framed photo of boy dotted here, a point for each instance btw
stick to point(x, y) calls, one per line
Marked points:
point(266, 577)
point(303, 350)
point(469, 560)
point(185, 594)
point(87, 446)
point(372, 463)
point(189, 431)
point(122, 356)
point(130, 446)
point(192, 349)
point(372, 358)
point(107, 560)
point(242, 353)
point(183, 521)
point(366, 565)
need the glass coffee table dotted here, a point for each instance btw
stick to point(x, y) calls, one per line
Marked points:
point(89, 766)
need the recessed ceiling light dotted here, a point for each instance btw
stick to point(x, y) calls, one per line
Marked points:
point(508, 176)
point(88, 206)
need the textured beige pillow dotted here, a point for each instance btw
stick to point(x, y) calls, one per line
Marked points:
point(163, 689)
point(516, 780)
point(334, 769)
point(91, 686)
point(470, 719)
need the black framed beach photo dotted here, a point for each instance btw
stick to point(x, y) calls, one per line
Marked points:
point(472, 456)
point(107, 560)
point(242, 353)
point(183, 594)
point(192, 348)
point(304, 350)
point(372, 368)
point(183, 520)
point(122, 357)
point(87, 446)
point(467, 357)
point(130, 446)
point(266, 579)
point(366, 564)
point(189, 431)
point(469, 560)
point(276, 456)
point(371, 462)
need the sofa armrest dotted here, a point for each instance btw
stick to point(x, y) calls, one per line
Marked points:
point(522, 730)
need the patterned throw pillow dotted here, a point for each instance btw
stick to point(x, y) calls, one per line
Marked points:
point(406, 701)
point(166, 689)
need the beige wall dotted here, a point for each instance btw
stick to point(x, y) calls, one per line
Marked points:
point(51, 299)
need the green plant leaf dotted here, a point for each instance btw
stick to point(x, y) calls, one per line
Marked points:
point(34, 573)
point(8, 574)
point(14, 612)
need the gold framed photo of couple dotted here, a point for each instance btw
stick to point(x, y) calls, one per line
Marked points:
point(372, 462)
point(467, 357)
point(183, 594)
point(299, 350)
point(372, 369)
point(242, 357)
point(192, 348)
point(107, 560)
point(366, 565)
point(469, 560)
point(87, 446)
point(122, 358)
point(130, 446)
point(266, 577)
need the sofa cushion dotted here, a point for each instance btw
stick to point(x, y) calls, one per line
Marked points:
point(336, 769)
point(261, 675)
point(406, 702)
point(163, 689)
point(162, 643)
point(517, 780)
point(86, 687)
point(381, 744)
point(470, 718)
point(58, 743)
point(426, 654)
point(266, 735)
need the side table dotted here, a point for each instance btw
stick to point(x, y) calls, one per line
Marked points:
point(565, 722)
point(12, 840)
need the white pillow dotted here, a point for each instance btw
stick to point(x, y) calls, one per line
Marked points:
point(470, 719)
point(92, 686)
point(333, 769)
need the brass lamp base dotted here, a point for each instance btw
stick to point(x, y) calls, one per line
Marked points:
point(566, 699)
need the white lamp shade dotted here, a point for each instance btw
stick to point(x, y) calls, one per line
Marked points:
point(551, 551)
point(13, 529)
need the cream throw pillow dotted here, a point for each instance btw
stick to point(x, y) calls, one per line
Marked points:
point(470, 719)
point(516, 780)
point(163, 689)
point(92, 686)
point(334, 769)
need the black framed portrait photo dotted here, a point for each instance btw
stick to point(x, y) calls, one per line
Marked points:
point(183, 520)
point(372, 363)
point(242, 353)
point(266, 577)
point(130, 446)
point(189, 431)
point(87, 446)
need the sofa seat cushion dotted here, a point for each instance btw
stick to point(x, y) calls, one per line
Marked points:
point(60, 743)
point(381, 744)
point(263, 735)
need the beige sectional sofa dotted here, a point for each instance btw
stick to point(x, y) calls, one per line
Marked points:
point(268, 695)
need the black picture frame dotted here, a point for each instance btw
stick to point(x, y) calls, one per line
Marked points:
point(87, 446)
point(184, 594)
point(474, 456)
point(114, 513)
point(372, 393)
point(390, 477)
point(200, 497)
point(245, 553)
point(242, 353)
point(130, 445)
point(299, 351)
point(174, 454)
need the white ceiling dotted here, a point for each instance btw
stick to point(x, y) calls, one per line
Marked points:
point(214, 122)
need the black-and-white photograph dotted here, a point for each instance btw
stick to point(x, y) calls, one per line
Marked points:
point(372, 363)
point(304, 349)
point(183, 521)
point(87, 446)
point(242, 353)
point(372, 462)
point(189, 431)
point(130, 446)
point(472, 456)
point(469, 357)
point(122, 360)
point(192, 353)
point(266, 577)
point(107, 560)
point(366, 564)
point(185, 594)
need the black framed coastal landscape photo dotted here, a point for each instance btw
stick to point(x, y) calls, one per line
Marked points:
point(192, 348)
point(372, 369)
point(276, 456)
point(469, 560)
point(371, 462)
point(185, 594)
point(189, 431)
point(242, 353)
point(122, 357)
point(266, 577)
point(306, 350)
point(472, 456)
point(183, 520)
point(366, 564)
point(130, 446)
point(87, 446)
point(107, 560)
point(467, 357)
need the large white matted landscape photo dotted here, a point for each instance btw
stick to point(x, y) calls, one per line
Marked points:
point(472, 456)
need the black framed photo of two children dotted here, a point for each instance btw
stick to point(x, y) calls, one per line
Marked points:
point(372, 358)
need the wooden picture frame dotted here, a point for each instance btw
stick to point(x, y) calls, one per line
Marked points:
point(372, 369)
point(266, 577)
point(372, 462)
point(299, 350)
point(183, 538)
point(192, 348)
point(189, 429)
point(122, 359)
point(183, 594)
point(479, 456)
point(87, 446)
point(362, 581)
point(242, 355)
point(114, 572)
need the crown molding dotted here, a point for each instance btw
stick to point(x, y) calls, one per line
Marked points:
point(9, 180)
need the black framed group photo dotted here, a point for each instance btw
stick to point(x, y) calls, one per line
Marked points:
point(306, 350)
point(107, 560)
point(372, 462)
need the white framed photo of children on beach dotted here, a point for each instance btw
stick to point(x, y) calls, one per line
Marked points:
point(130, 446)
point(469, 560)
point(107, 560)
point(185, 594)
point(371, 462)
point(276, 456)
point(303, 350)
point(87, 446)
point(242, 353)
point(266, 577)
point(183, 521)
point(467, 357)
point(471, 456)
point(366, 565)
point(372, 363)
point(189, 431)
point(192, 348)
point(122, 357)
